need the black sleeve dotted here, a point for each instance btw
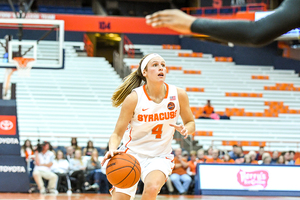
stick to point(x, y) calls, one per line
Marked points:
point(250, 33)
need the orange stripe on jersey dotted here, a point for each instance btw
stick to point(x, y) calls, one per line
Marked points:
point(167, 92)
point(144, 88)
point(166, 96)
point(126, 150)
point(129, 140)
point(170, 159)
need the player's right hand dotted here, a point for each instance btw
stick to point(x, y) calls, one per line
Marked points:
point(171, 18)
point(110, 154)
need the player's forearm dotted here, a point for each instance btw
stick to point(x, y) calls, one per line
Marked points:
point(250, 33)
point(190, 126)
point(114, 141)
point(237, 32)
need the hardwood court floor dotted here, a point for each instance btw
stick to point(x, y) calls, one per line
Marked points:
point(61, 196)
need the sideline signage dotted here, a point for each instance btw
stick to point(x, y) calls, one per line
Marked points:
point(9, 132)
point(234, 179)
point(13, 174)
point(8, 125)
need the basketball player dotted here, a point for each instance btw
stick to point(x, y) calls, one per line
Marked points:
point(151, 110)
point(247, 33)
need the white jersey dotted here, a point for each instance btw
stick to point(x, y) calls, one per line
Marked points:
point(149, 132)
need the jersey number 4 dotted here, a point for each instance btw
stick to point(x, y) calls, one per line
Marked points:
point(157, 130)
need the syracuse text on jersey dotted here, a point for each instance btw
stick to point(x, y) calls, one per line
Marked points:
point(157, 116)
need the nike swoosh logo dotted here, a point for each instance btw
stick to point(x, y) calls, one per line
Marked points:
point(145, 109)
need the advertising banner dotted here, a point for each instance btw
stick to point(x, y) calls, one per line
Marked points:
point(234, 179)
point(9, 133)
point(13, 174)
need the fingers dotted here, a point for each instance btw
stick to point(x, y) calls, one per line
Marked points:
point(110, 154)
point(174, 125)
point(160, 18)
point(181, 129)
point(105, 158)
point(159, 21)
point(159, 14)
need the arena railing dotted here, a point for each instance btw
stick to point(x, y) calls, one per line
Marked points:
point(225, 10)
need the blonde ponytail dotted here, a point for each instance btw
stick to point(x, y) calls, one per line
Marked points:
point(130, 82)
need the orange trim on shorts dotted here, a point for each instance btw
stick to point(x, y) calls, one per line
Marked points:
point(111, 189)
point(166, 96)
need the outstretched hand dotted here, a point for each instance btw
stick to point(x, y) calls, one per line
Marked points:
point(173, 19)
point(181, 129)
point(110, 154)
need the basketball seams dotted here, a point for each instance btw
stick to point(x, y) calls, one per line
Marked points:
point(123, 159)
point(125, 176)
point(134, 173)
point(117, 169)
point(131, 157)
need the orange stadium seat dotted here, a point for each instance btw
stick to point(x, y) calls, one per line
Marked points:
point(203, 133)
point(174, 68)
point(261, 77)
point(197, 55)
point(134, 66)
point(171, 46)
point(244, 143)
point(194, 54)
point(234, 94)
point(197, 111)
point(282, 87)
point(223, 59)
point(220, 113)
point(297, 89)
point(194, 89)
point(249, 114)
point(184, 54)
point(191, 71)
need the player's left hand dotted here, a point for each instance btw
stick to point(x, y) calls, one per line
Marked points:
point(181, 129)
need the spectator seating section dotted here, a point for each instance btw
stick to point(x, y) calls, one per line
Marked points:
point(75, 102)
point(66, 10)
point(257, 114)
point(54, 9)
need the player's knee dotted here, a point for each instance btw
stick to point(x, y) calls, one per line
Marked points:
point(152, 188)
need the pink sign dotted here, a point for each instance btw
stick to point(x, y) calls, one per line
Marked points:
point(253, 178)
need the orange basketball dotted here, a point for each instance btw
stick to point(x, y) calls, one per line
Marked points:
point(123, 170)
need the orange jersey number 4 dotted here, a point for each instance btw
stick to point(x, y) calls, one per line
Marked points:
point(157, 130)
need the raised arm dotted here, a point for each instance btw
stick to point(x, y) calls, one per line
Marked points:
point(248, 33)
